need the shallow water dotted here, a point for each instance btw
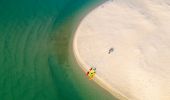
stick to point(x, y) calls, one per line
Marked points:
point(35, 38)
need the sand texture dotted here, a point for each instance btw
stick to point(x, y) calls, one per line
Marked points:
point(139, 32)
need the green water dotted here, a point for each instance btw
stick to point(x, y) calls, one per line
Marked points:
point(36, 60)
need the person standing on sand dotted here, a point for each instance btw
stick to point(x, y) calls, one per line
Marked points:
point(110, 50)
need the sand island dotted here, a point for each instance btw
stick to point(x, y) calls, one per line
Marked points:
point(128, 42)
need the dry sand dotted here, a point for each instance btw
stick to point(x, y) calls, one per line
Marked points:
point(139, 32)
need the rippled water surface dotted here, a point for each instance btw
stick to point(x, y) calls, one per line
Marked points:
point(35, 38)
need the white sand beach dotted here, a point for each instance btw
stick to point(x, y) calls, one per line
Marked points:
point(139, 32)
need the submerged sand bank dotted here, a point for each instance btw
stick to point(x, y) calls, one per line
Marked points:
point(138, 68)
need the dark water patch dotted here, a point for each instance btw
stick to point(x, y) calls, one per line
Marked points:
point(58, 74)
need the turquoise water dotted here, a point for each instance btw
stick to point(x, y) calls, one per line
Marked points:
point(36, 62)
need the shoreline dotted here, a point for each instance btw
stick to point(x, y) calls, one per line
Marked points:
point(133, 70)
point(96, 79)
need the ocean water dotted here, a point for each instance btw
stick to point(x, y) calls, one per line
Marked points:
point(36, 62)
